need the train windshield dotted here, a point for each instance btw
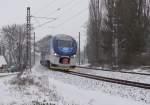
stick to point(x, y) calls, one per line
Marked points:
point(64, 43)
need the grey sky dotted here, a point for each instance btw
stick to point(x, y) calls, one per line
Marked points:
point(71, 18)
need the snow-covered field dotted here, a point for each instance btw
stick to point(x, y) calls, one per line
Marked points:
point(32, 92)
point(109, 88)
point(56, 88)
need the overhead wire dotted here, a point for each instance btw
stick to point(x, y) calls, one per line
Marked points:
point(47, 18)
point(61, 7)
point(44, 7)
point(72, 17)
point(68, 19)
point(44, 24)
point(35, 20)
point(64, 22)
point(71, 6)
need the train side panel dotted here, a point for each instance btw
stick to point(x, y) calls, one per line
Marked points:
point(45, 49)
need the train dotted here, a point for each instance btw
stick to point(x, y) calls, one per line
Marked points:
point(58, 51)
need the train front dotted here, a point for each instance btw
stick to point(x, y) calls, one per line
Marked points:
point(65, 48)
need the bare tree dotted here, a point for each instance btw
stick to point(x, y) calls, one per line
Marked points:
point(94, 38)
point(14, 38)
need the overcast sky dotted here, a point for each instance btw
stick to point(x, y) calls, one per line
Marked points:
point(72, 16)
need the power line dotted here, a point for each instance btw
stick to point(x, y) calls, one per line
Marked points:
point(40, 25)
point(53, 12)
point(44, 7)
point(48, 5)
point(36, 21)
point(71, 6)
point(58, 9)
point(44, 23)
point(72, 17)
point(47, 18)
point(64, 6)
point(61, 7)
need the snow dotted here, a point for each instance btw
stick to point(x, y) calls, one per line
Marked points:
point(12, 94)
point(133, 93)
point(56, 88)
point(87, 97)
point(142, 70)
point(6, 74)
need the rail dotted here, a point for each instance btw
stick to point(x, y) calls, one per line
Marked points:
point(111, 80)
point(114, 70)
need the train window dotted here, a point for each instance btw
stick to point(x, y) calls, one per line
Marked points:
point(64, 60)
point(64, 43)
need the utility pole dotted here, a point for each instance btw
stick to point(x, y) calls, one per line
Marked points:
point(34, 47)
point(79, 48)
point(0, 50)
point(84, 54)
point(19, 52)
point(115, 38)
point(28, 29)
point(3, 50)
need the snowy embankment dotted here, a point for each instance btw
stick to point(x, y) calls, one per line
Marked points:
point(110, 88)
point(56, 88)
point(40, 88)
point(33, 91)
point(117, 75)
point(83, 91)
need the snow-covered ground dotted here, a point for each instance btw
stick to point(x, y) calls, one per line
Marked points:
point(56, 88)
point(79, 96)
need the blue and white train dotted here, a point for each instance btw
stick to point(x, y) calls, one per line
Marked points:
point(59, 51)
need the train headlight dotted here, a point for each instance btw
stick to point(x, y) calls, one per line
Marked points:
point(74, 56)
point(56, 54)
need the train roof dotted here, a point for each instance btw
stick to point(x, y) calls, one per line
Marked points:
point(48, 37)
point(63, 37)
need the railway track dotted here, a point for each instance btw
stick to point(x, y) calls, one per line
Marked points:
point(146, 74)
point(111, 80)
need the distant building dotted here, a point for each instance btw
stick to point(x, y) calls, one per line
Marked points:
point(3, 64)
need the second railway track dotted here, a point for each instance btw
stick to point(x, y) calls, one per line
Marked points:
point(146, 74)
point(111, 80)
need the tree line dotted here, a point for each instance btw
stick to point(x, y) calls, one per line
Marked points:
point(13, 42)
point(128, 21)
